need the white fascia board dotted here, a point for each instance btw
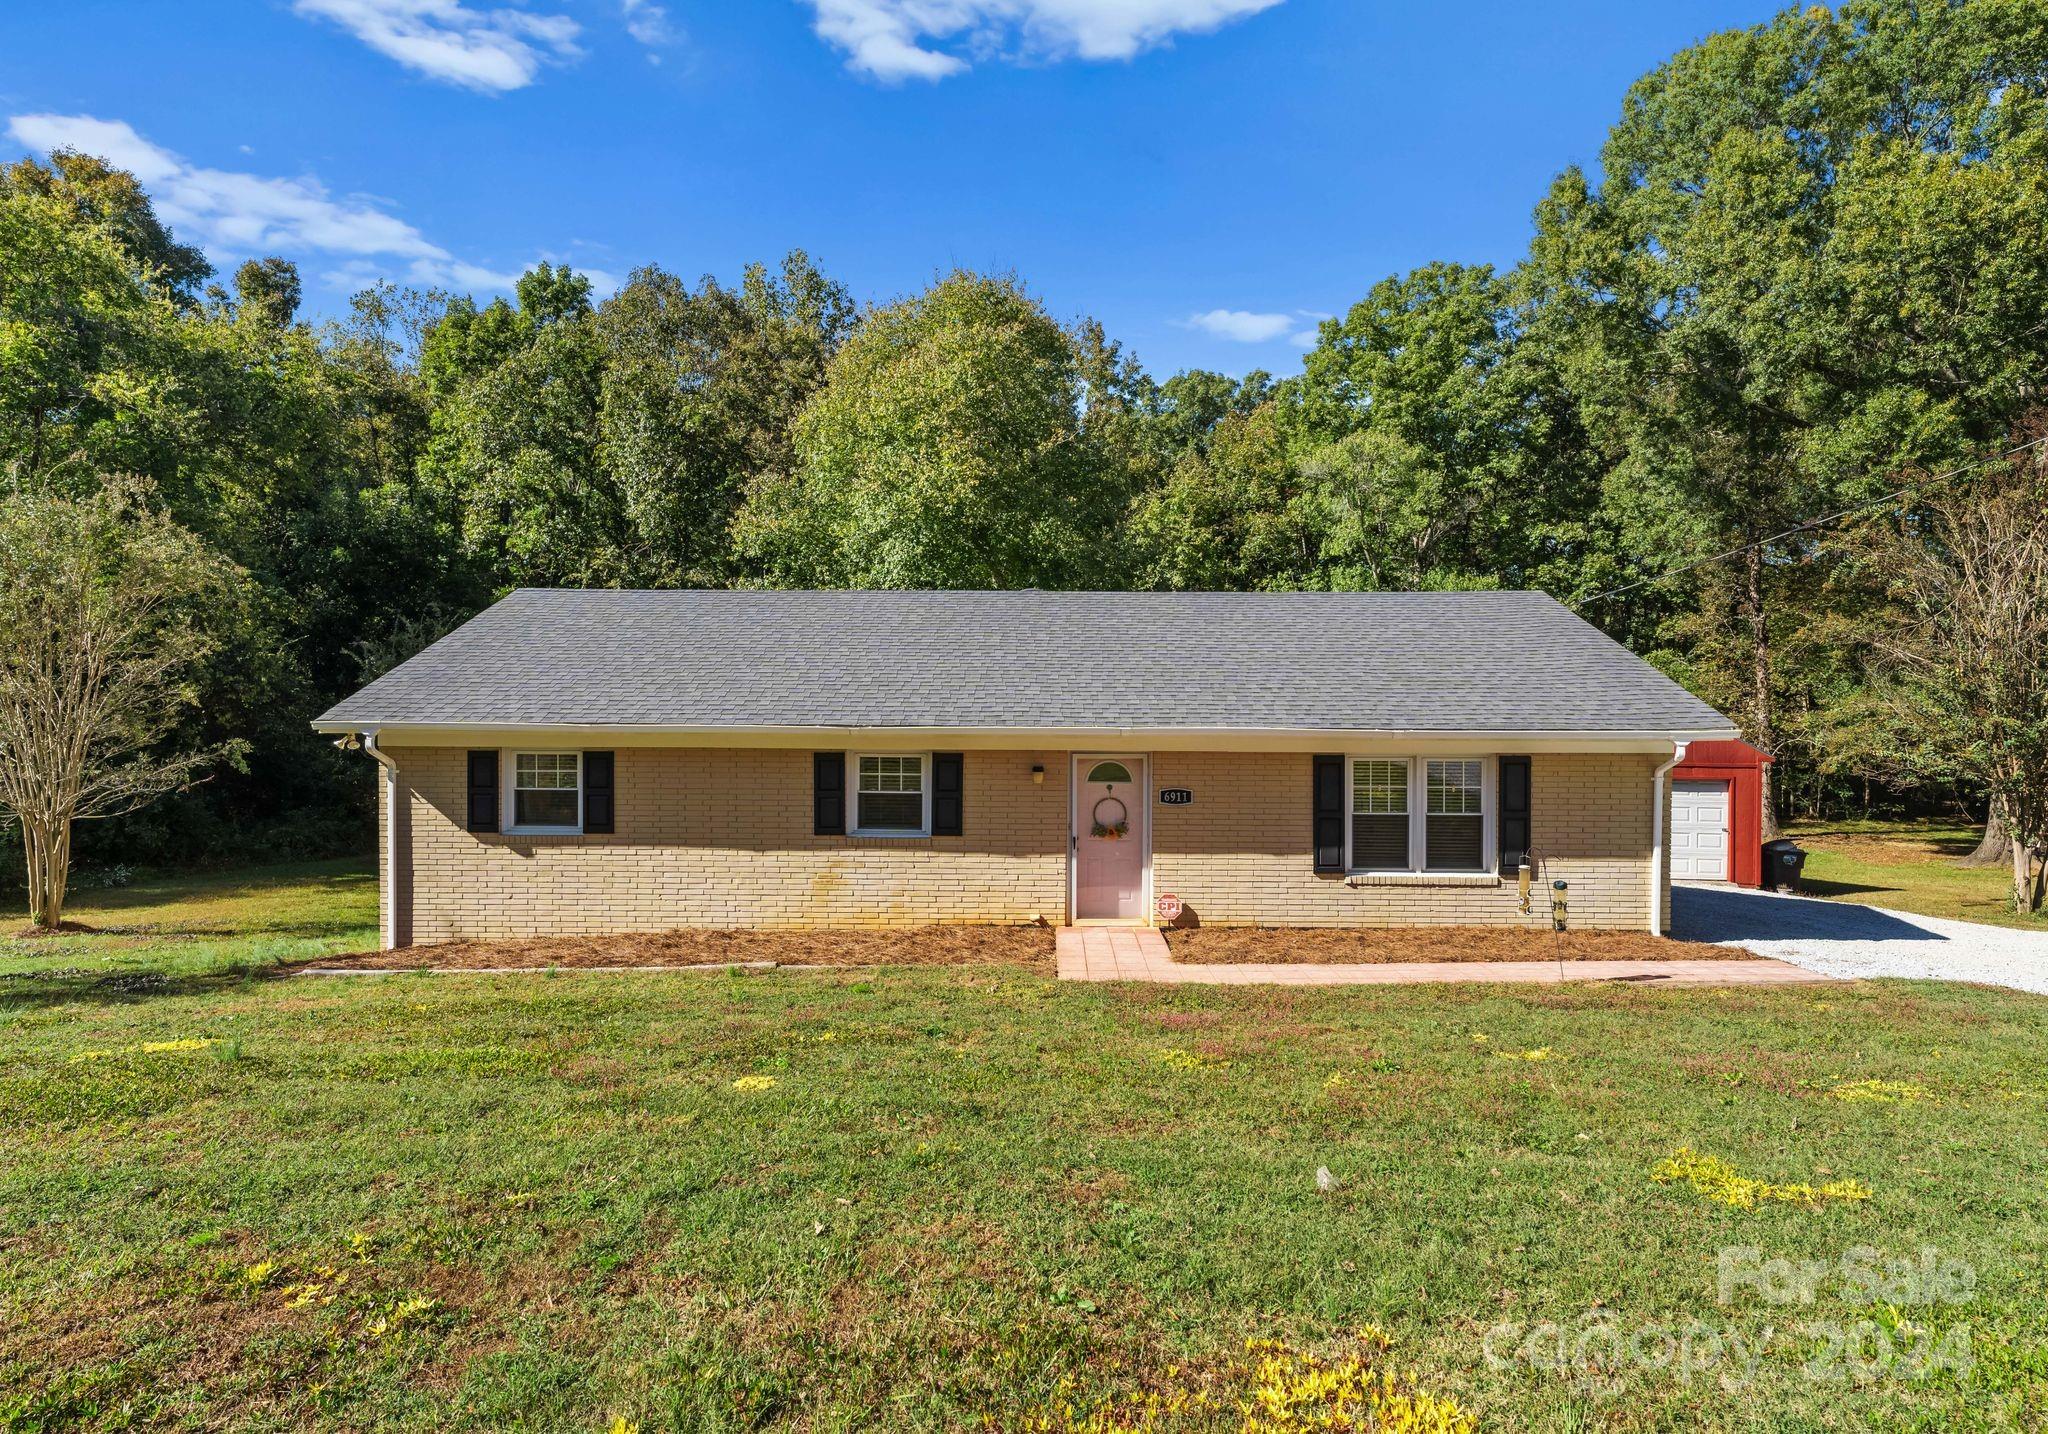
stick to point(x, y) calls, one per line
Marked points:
point(1053, 739)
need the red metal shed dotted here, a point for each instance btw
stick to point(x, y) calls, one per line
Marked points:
point(1717, 818)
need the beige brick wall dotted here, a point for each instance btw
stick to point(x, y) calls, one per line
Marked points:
point(1239, 854)
point(722, 837)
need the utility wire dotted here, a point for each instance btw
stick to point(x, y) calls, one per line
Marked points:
point(1811, 523)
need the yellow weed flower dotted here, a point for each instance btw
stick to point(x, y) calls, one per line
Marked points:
point(1181, 1060)
point(1718, 1181)
point(1885, 1091)
point(146, 1048)
point(754, 1082)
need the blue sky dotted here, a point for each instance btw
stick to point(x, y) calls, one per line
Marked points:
point(1150, 162)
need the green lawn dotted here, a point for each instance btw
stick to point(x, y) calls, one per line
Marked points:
point(971, 1198)
point(205, 925)
point(1910, 866)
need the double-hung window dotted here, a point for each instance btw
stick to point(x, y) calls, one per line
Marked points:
point(1379, 815)
point(891, 796)
point(1454, 837)
point(1420, 815)
point(547, 791)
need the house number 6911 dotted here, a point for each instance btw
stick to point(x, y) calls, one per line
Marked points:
point(1175, 797)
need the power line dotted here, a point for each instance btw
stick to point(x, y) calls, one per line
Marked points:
point(1811, 523)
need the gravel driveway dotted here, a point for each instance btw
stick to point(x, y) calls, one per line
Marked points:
point(1841, 939)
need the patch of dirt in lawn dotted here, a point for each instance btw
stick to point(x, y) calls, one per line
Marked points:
point(33, 932)
point(1229, 945)
point(912, 946)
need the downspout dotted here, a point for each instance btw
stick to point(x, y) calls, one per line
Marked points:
point(1657, 837)
point(387, 907)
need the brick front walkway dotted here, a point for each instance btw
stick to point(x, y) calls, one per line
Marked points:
point(1136, 953)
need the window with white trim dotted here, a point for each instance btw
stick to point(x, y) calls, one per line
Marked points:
point(1415, 815)
point(1454, 834)
point(547, 791)
point(1379, 815)
point(891, 796)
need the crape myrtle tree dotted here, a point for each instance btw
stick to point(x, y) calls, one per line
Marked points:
point(1818, 257)
point(288, 448)
point(107, 611)
point(1957, 645)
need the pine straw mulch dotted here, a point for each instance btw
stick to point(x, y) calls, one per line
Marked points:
point(1030, 946)
point(1228, 945)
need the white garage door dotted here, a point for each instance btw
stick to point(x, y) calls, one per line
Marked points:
point(1699, 831)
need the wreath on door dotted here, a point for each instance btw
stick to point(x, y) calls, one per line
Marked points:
point(1116, 826)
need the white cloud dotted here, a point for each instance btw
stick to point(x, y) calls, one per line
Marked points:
point(237, 215)
point(1241, 327)
point(1309, 337)
point(898, 39)
point(493, 49)
point(649, 23)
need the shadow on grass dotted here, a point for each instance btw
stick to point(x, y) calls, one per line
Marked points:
point(330, 877)
point(34, 990)
point(1813, 887)
point(1911, 842)
point(174, 931)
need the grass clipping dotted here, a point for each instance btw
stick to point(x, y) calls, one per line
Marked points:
point(1274, 1389)
point(1718, 1181)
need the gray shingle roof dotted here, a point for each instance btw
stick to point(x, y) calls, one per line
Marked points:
point(1357, 662)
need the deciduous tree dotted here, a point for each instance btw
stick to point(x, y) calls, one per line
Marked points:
point(1959, 653)
point(946, 449)
point(1818, 256)
point(103, 622)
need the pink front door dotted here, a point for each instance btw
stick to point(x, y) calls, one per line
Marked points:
point(1110, 837)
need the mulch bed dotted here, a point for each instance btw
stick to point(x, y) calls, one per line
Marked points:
point(912, 946)
point(1229, 945)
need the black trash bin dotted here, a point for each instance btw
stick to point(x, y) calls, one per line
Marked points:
point(1784, 865)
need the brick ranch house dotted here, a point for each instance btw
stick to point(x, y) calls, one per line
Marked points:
point(583, 762)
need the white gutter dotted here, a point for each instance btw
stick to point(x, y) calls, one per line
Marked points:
point(1678, 751)
point(387, 904)
point(1335, 735)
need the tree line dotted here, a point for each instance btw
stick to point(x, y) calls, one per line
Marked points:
point(1811, 271)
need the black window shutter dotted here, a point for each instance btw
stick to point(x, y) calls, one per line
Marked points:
point(1514, 813)
point(828, 793)
point(483, 791)
point(1329, 815)
point(946, 793)
point(599, 807)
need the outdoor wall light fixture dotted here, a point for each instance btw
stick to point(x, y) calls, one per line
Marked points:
point(1038, 776)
